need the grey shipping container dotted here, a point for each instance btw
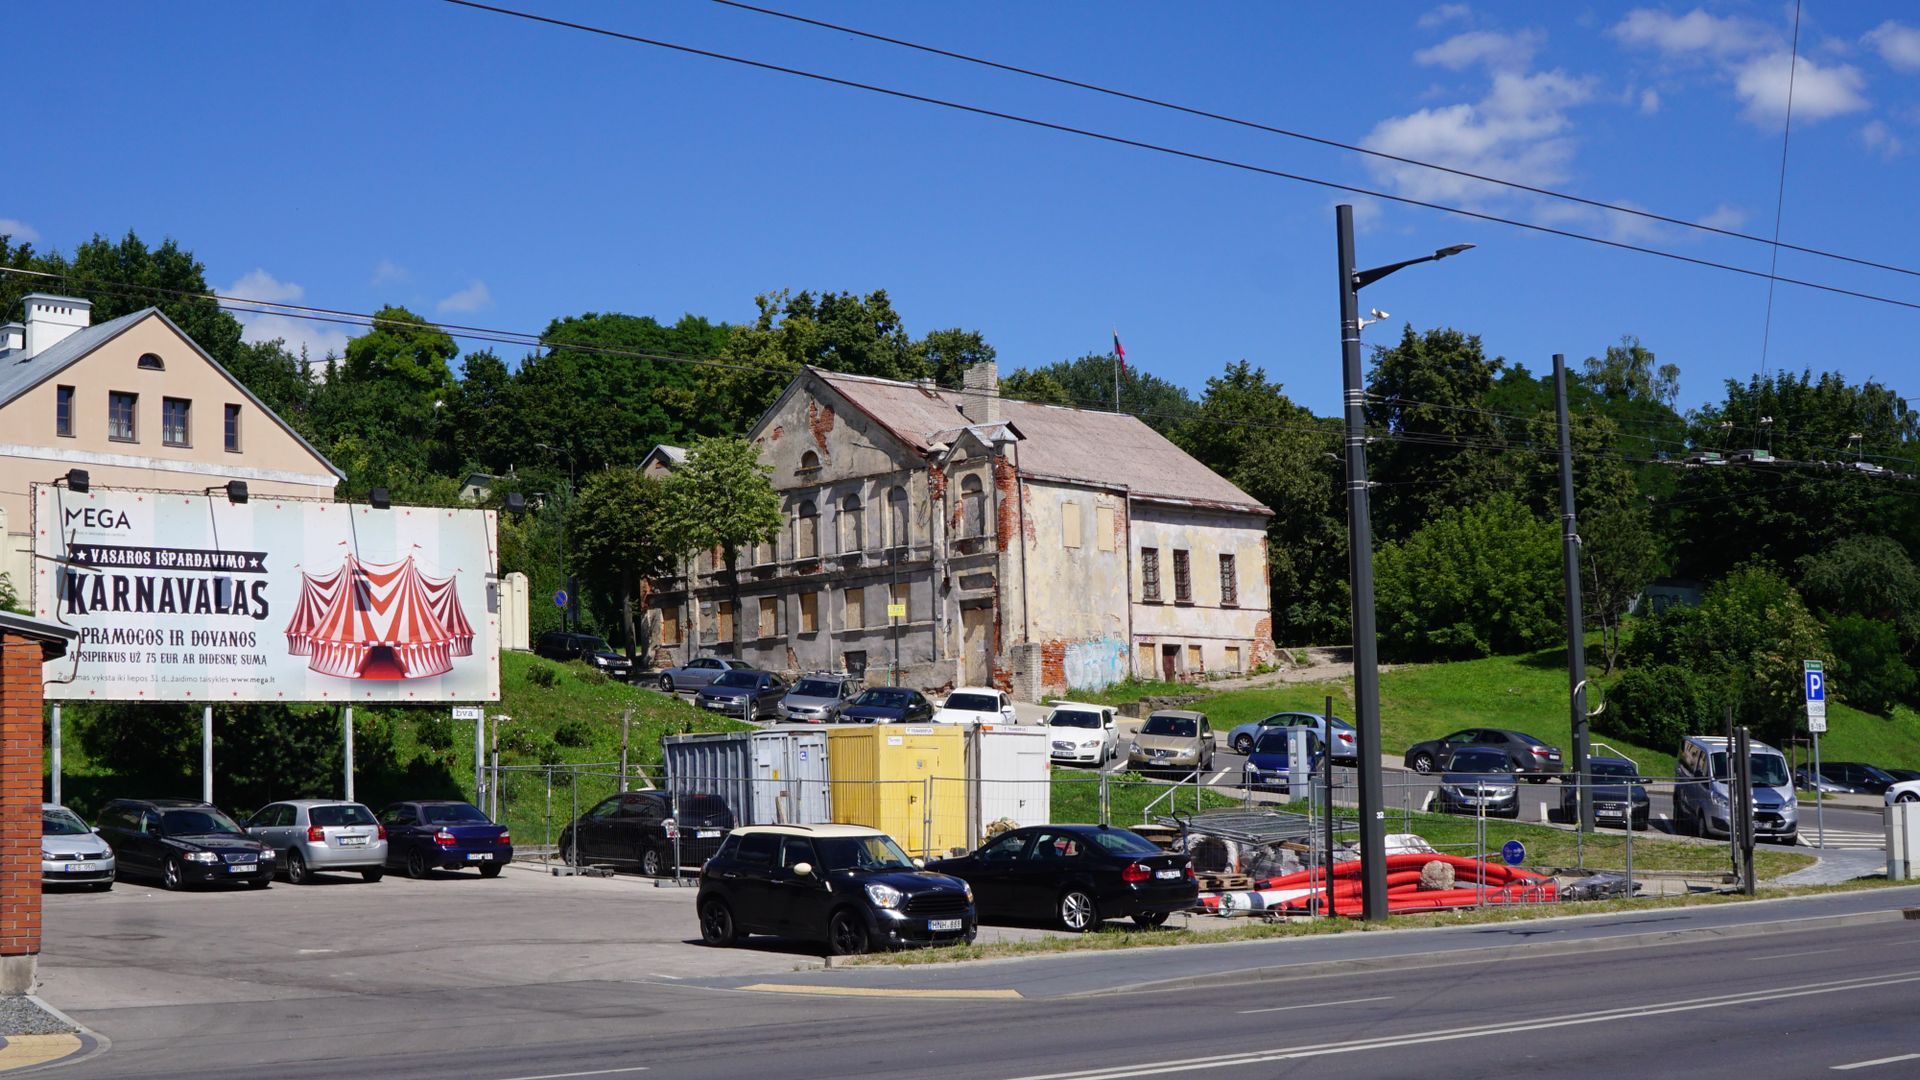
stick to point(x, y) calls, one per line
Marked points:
point(790, 780)
point(713, 764)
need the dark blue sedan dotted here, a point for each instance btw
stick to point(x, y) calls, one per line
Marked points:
point(888, 705)
point(1268, 765)
point(444, 834)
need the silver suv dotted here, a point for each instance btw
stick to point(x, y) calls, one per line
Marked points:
point(314, 835)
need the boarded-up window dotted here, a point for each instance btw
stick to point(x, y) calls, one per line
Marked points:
point(1145, 671)
point(1182, 579)
point(1233, 658)
point(853, 610)
point(1103, 537)
point(973, 506)
point(723, 620)
point(809, 613)
point(769, 616)
point(1150, 575)
point(806, 537)
point(1195, 662)
point(853, 531)
point(898, 594)
point(1229, 582)
point(1070, 523)
point(897, 531)
point(670, 625)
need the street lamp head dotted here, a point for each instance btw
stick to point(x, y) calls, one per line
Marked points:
point(1451, 249)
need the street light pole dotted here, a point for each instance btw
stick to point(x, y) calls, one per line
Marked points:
point(1366, 660)
point(569, 615)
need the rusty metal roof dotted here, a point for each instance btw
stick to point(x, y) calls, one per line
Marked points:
point(1101, 449)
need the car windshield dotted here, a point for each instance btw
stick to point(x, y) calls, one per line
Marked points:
point(1479, 761)
point(340, 815)
point(198, 823)
point(861, 853)
point(1074, 718)
point(971, 703)
point(1769, 770)
point(1617, 769)
point(738, 678)
point(1122, 842)
point(454, 814)
point(595, 644)
point(1878, 775)
point(1180, 727)
point(893, 699)
point(816, 688)
point(60, 822)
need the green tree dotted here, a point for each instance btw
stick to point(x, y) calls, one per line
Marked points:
point(390, 392)
point(1623, 555)
point(1629, 372)
point(946, 354)
point(1428, 395)
point(1868, 671)
point(620, 533)
point(483, 416)
point(1039, 387)
point(721, 498)
point(1087, 382)
point(1479, 580)
point(281, 380)
point(1870, 576)
point(1750, 635)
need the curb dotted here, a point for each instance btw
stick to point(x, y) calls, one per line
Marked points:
point(92, 1043)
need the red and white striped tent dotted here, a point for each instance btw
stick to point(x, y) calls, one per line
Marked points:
point(382, 621)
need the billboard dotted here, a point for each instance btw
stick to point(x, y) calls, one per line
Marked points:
point(184, 597)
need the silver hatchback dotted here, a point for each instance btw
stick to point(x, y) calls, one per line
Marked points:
point(317, 835)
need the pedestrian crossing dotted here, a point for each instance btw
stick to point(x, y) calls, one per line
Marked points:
point(1844, 839)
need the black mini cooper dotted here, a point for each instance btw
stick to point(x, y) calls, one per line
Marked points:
point(848, 886)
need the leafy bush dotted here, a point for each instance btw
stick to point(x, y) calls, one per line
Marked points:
point(543, 675)
point(592, 676)
point(1662, 638)
point(1657, 707)
point(574, 732)
point(1479, 580)
point(1869, 673)
point(1865, 575)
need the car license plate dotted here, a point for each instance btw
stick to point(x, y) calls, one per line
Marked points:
point(241, 868)
point(715, 705)
point(937, 925)
point(707, 834)
point(353, 841)
point(1167, 875)
point(82, 867)
point(479, 856)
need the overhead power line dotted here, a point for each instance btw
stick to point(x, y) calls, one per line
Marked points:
point(1780, 196)
point(1321, 140)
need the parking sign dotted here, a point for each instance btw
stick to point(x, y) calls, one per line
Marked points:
point(1816, 690)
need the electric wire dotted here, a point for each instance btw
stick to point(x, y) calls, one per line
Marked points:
point(1780, 197)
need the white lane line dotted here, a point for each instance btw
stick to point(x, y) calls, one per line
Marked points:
point(1875, 1061)
point(589, 1072)
point(1784, 955)
point(1427, 1038)
point(1314, 1005)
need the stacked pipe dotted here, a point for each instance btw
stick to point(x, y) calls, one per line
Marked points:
point(1476, 882)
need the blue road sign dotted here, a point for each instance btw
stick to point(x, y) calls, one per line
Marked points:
point(1816, 686)
point(1514, 852)
point(560, 598)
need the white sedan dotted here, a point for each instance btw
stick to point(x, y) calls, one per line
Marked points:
point(975, 705)
point(1904, 791)
point(1082, 734)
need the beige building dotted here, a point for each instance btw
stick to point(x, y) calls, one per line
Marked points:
point(135, 403)
point(984, 541)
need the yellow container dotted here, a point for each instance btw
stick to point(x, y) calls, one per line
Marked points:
point(884, 775)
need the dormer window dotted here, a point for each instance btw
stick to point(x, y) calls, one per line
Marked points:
point(152, 362)
point(809, 463)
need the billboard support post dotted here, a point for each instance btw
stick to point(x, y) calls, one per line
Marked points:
point(479, 760)
point(206, 753)
point(346, 726)
point(53, 740)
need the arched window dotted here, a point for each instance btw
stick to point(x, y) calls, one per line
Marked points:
point(806, 538)
point(897, 533)
point(973, 507)
point(809, 462)
point(853, 532)
point(152, 362)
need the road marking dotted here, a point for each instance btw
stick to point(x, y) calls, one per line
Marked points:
point(1875, 1061)
point(304, 952)
point(1784, 955)
point(875, 991)
point(21, 1051)
point(1428, 1038)
point(1314, 1005)
point(589, 1072)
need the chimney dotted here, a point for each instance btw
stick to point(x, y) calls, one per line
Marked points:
point(12, 336)
point(53, 319)
point(980, 393)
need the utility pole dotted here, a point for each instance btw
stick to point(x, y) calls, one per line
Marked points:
point(1576, 638)
point(346, 734)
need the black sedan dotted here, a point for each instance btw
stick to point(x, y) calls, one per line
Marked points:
point(888, 705)
point(182, 842)
point(1615, 783)
point(745, 693)
point(639, 829)
point(444, 834)
point(1075, 876)
point(1531, 757)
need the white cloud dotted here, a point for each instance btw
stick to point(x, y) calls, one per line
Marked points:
point(1818, 92)
point(257, 284)
point(1694, 33)
point(317, 338)
point(1517, 132)
point(1898, 45)
point(1725, 216)
point(387, 272)
point(1494, 50)
point(1879, 138)
point(470, 299)
point(1649, 102)
point(21, 232)
point(1444, 14)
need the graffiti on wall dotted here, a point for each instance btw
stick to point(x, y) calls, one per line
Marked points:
point(1095, 664)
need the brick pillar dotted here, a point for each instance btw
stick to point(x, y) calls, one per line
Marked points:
point(20, 784)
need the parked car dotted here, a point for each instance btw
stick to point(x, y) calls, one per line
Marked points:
point(70, 852)
point(1902, 775)
point(888, 705)
point(745, 693)
point(638, 829)
point(1173, 739)
point(698, 672)
point(1270, 764)
point(1344, 740)
point(590, 649)
point(1479, 779)
point(819, 697)
point(1806, 779)
point(1082, 734)
point(848, 886)
point(1075, 876)
point(182, 842)
point(1531, 757)
point(311, 836)
point(1904, 791)
point(1703, 782)
point(976, 705)
point(1845, 778)
point(444, 834)
point(1615, 783)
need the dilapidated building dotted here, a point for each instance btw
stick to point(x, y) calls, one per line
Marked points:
point(957, 538)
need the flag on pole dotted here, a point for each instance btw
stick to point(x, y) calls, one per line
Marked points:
point(1119, 351)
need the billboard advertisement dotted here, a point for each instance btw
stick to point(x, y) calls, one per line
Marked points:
point(184, 597)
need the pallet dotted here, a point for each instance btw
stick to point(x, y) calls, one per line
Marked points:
point(1225, 883)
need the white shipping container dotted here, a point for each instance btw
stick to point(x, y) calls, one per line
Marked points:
point(1009, 772)
point(790, 779)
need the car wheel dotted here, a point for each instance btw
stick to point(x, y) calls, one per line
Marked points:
point(651, 864)
point(297, 872)
point(847, 933)
point(170, 875)
point(1422, 763)
point(1077, 911)
point(373, 874)
point(1908, 796)
point(416, 864)
point(716, 924)
point(1150, 920)
point(1640, 824)
point(491, 869)
point(566, 852)
point(1243, 745)
point(666, 684)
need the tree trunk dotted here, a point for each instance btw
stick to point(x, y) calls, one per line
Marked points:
point(732, 558)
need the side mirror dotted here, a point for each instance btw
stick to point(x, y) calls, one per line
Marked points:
point(920, 862)
point(802, 869)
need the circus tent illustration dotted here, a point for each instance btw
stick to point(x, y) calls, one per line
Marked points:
point(378, 621)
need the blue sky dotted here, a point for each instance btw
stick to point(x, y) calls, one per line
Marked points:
point(492, 172)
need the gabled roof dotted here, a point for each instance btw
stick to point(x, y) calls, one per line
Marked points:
point(19, 374)
point(1100, 449)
